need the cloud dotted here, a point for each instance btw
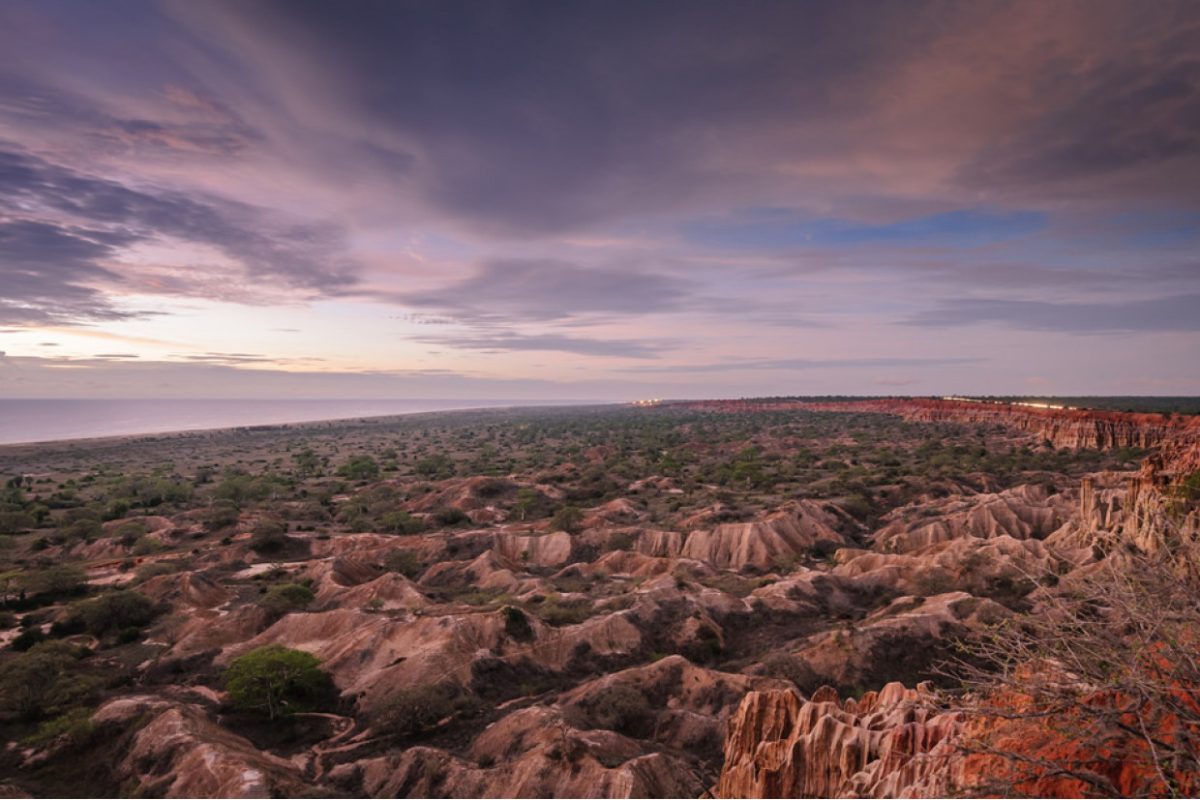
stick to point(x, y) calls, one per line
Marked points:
point(774, 229)
point(791, 364)
point(1175, 313)
point(46, 269)
point(550, 289)
point(515, 342)
point(886, 108)
point(192, 123)
point(35, 377)
point(66, 233)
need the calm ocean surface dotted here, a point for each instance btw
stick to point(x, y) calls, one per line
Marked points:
point(48, 420)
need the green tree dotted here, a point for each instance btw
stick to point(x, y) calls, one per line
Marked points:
point(113, 612)
point(269, 536)
point(56, 579)
point(527, 500)
point(567, 518)
point(359, 468)
point(435, 466)
point(308, 463)
point(284, 598)
point(46, 681)
point(399, 522)
point(276, 681)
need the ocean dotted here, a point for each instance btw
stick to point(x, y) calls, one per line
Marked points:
point(54, 420)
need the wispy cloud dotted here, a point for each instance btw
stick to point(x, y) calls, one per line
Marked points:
point(550, 289)
point(802, 364)
point(550, 342)
point(1175, 313)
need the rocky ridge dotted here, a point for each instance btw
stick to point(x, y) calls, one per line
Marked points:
point(895, 743)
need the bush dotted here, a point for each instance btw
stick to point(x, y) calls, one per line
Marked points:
point(399, 522)
point(27, 638)
point(567, 518)
point(359, 468)
point(145, 546)
point(411, 711)
point(221, 515)
point(276, 681)
point(436, 466)
point(619, 708)
point(450, 516)
point(107, 614)
point(405, 562)
point(73, 729)
point(556, 611)
point(15, 521)
point(46, 681)
point(284, 598)
point(129, 532)
point(516, 624)
point(83, 530)
point(60, 579)
point(269, 536)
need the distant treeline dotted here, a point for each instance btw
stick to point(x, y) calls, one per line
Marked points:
point(1137, 404)
point(1155, 405)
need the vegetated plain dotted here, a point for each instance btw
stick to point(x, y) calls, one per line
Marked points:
point(597, 584)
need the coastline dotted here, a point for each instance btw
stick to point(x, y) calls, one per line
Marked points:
point(290, 426)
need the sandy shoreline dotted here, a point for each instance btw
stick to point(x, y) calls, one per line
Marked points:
point(181, 434)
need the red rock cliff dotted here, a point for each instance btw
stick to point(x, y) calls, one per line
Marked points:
point(1062, 426)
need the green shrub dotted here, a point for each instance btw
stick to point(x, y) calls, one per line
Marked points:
point(359, 468)
point(46, 681)
point(146, 546)
point(399, 522)
point(276, 681)
point(221, 515)
point(437, 466)
point(411, 711)
point(406, 562)
point(74, 728)
point(110, 613)
point(285, 598)
point(59, 579)
point(129, 532)
point(15, 521)
point(556, 611)
point(567, 518)
point(268, 536)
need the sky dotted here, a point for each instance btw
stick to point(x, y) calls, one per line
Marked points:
point(598, 200)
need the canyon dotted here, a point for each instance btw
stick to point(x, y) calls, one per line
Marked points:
point(725, 598)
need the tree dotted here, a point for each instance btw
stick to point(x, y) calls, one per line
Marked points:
point(1097, 693)
point(406, 562)
point(269, 536)
point(46, 681)
point(276, 681)
point(567, 518)
point(420, 708)
point(399, 522)
point(527, 500)
point(58, 579)
point(308, 464)
point(112, 612)
point(435, 466)
point(284, 598)
point(359, 468)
